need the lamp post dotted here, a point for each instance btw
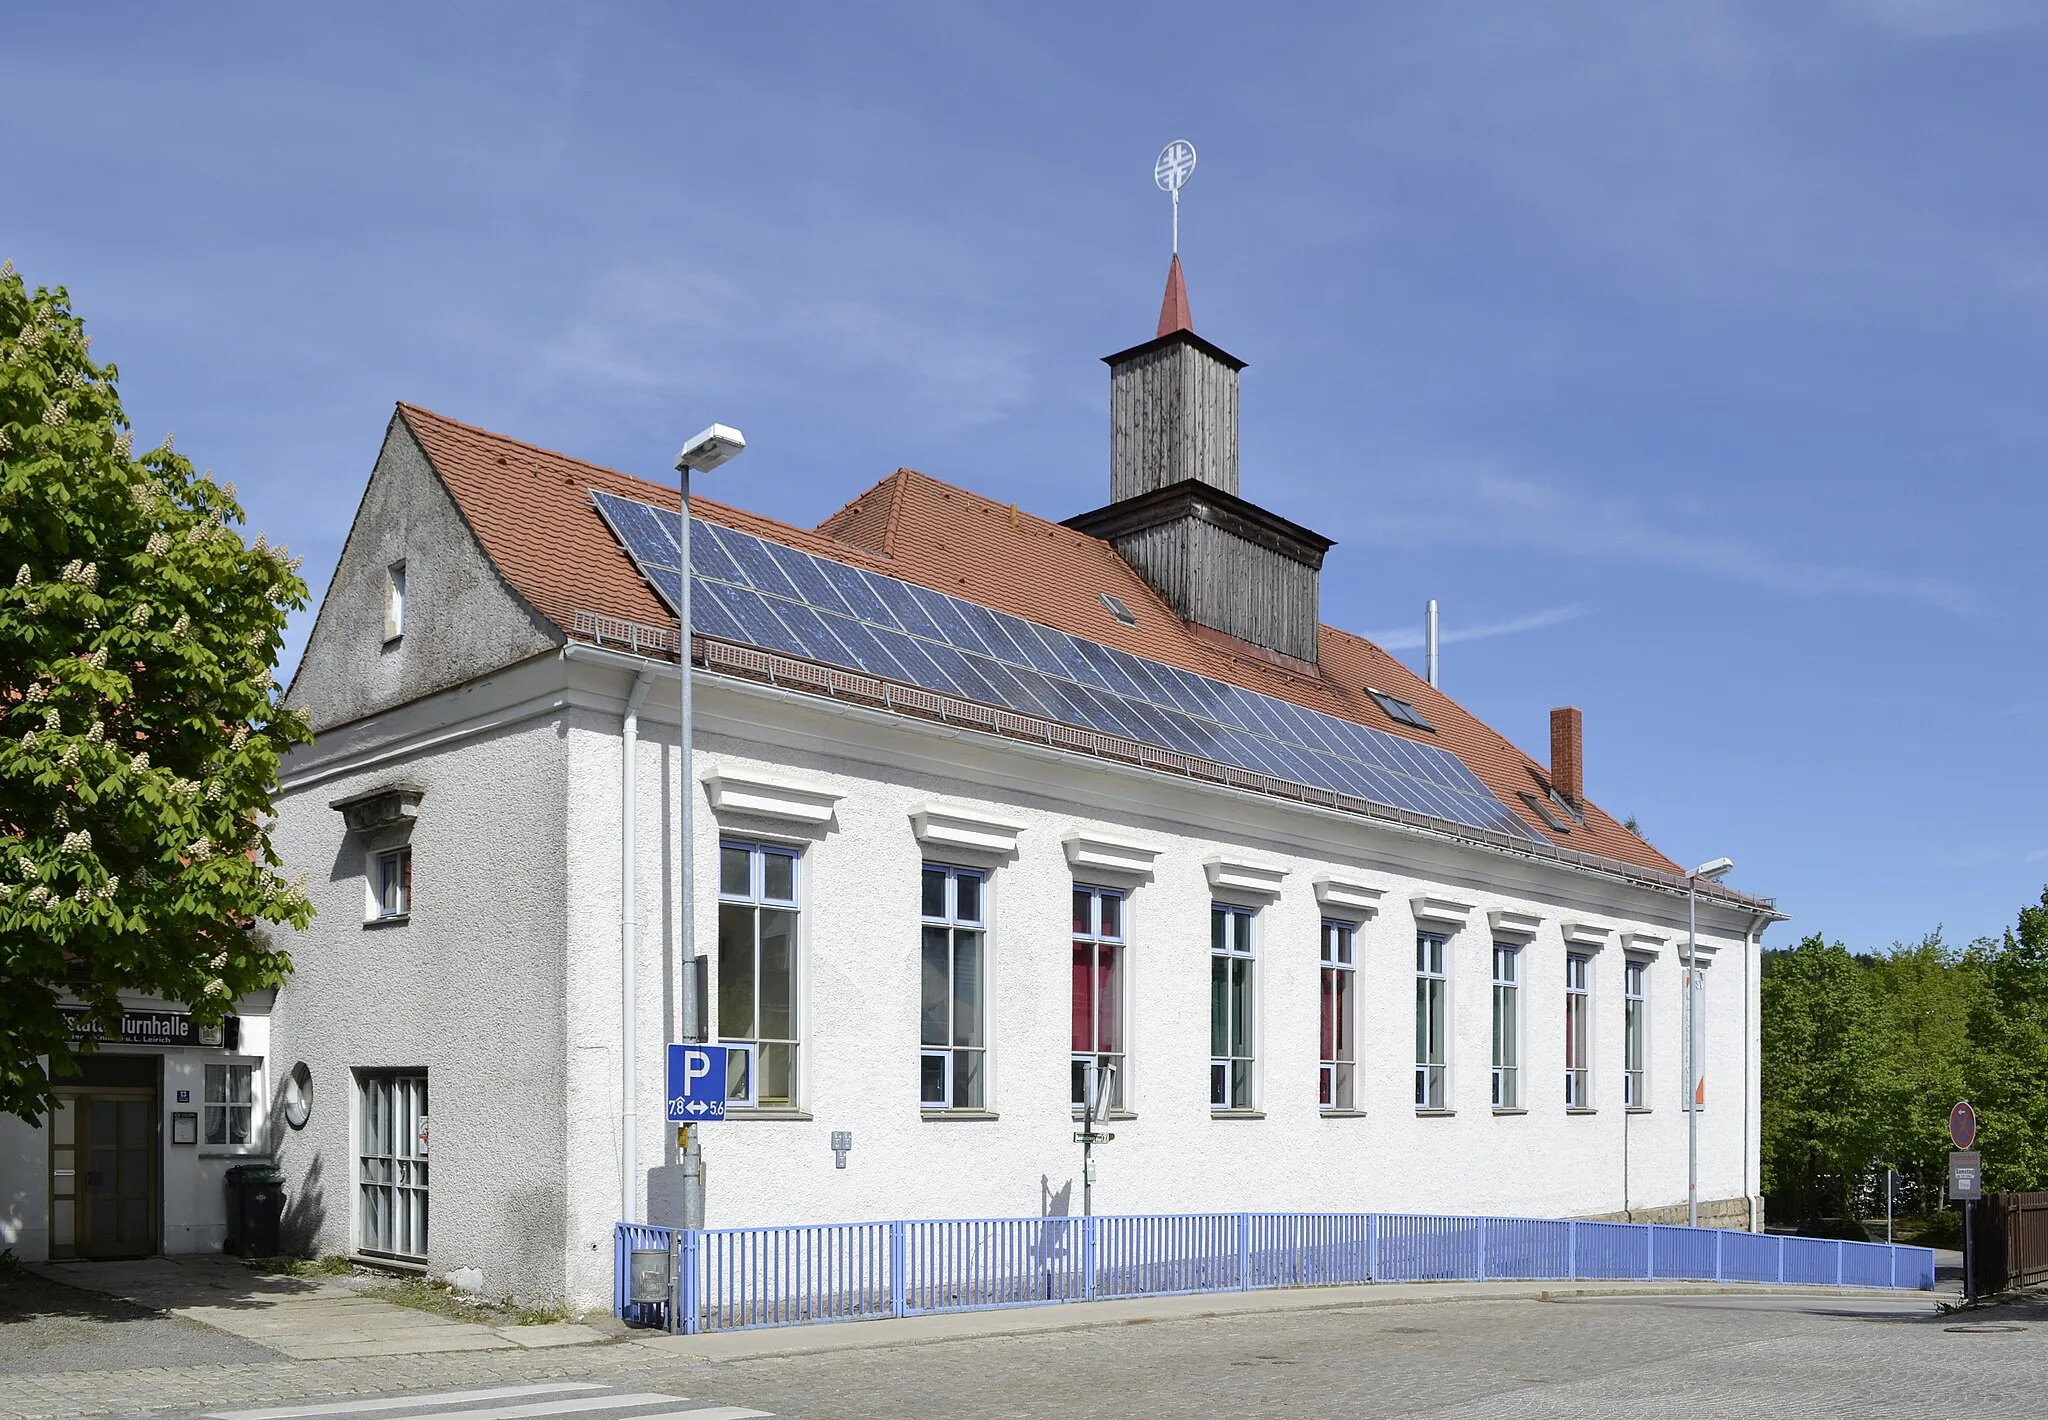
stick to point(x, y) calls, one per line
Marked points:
point(1710, 872)
point(707, 451)
point(1102, 1081)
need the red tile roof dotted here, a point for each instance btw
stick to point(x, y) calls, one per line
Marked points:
point(1173, 310)
point(531, 510)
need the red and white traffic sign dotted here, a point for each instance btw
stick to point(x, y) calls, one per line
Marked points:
point(1962, 1125)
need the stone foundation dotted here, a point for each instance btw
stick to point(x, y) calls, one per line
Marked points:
point(1718, 1213)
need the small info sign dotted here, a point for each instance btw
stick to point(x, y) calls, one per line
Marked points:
point(1966, 1176)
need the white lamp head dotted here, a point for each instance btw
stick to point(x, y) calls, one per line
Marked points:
point(1715, 871)
point(711, 448)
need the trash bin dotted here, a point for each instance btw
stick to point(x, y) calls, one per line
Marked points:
point(255, 1208)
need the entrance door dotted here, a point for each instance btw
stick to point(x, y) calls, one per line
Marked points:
point(103, 1168)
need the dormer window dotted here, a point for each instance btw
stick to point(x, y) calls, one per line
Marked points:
point(394, 602)
point(1399, 710)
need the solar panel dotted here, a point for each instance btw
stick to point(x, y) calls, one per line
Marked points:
point(764, 594)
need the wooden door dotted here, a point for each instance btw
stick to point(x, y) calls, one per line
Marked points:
point(103, 1173)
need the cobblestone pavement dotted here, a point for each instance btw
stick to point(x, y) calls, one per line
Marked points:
point(1699, 1356)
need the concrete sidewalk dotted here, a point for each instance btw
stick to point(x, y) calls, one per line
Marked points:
point(304, 1318)
point(1079, 1316)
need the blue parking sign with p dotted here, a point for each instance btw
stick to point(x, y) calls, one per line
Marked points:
point(696, 1083)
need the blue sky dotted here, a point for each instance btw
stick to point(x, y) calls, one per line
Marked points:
point(1690, 356)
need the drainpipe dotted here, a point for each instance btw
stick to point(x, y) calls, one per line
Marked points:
point(629, 910)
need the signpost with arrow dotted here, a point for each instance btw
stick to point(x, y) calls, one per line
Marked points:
point(1966, 1184)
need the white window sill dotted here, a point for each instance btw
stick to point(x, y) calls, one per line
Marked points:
point(1343, 1114)
point(1237, 1114)
point(1435, 1113)
point(230, 1151)
point(1640, 1109)
point(764, 1112)
point(1114, 1116)
point(389, 1264)
point(1508, 1109)
point(957, 1116)
point(395, 919)
point(1581, 1109)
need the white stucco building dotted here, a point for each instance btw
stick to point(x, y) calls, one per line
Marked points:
point(1348, 948)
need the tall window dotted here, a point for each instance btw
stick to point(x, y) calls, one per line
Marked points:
point(1507, 1026)
point(1432, 1004)
point(1098, 1035)
point(1339, 1015)
point(394, 601)
point(1577, 1012)
point(230, 1103)
point(392, 1165)
point(1230, 1007)
point(951, 1031)
point(757, 972)
point(1634, 1094)
point(394, 882)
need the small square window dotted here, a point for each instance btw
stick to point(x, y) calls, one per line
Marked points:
point(1399, 710)
point(394, 882)
point(394, 601)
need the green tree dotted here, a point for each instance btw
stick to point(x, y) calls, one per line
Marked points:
point(139, 730)
point(1927, 992)
point(2009, 1064)
point(1823, 1036)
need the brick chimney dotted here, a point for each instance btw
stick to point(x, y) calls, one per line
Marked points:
point(1567, 754)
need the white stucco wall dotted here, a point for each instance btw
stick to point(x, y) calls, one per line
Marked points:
point(860, 995)
point(470, 987)
point(505, 985)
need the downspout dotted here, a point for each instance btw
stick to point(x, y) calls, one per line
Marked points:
point(1752, 939)
point(629, 911)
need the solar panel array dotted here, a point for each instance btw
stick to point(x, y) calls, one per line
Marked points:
point(763, 594)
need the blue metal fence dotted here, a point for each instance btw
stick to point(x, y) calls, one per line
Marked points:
point(738, 1278)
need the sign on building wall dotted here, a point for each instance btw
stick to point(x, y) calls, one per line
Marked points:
point(155, 1028)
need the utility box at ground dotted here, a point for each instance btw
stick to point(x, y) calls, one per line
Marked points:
point(255, 1209)
point(648, 1280)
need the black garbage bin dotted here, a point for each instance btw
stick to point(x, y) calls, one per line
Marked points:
point(255, 1208)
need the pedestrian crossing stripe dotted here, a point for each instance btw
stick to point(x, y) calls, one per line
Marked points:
point(579, 1404)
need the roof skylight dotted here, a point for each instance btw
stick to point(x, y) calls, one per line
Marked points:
point(1118, 610)
point(1399, 710)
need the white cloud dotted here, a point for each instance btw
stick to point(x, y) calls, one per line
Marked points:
point(1480, 504)
point(1407, 638)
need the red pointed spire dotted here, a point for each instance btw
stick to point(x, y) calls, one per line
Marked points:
point(1173, 311)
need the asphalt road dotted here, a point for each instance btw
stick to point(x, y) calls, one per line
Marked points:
point(46, 1327)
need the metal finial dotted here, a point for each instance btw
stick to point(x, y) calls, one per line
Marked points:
point(1176, 163)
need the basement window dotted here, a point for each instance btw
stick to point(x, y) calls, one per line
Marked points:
point(1399, 710)
point(1118, 610)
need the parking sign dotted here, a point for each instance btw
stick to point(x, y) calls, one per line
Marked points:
point(696, 1083)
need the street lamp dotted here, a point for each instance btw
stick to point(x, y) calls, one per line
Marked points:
point(707, 451)
point(1102, 1085)
point(1712, 872)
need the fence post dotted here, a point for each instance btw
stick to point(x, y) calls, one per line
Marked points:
point(1895, 1266)
point(1717, 1254)
point(1841, 1249)
point(1088, 1259)
point(1781, 1259)
point(688, 1256)
point(1372, 1247)
point(898, 1302)
point(1650, 1253)
point(1571, 1250)
point(1480, 1270)
point(1244, 1251)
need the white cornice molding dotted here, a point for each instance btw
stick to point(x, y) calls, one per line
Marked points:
point(1586, 934)
point(1108, 852)
point(1340, 894)
point(773, 796)
point(1647, 944)
point(1243, 875)
point(959, 826)
point(1506, 922)
point(1444, 911)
